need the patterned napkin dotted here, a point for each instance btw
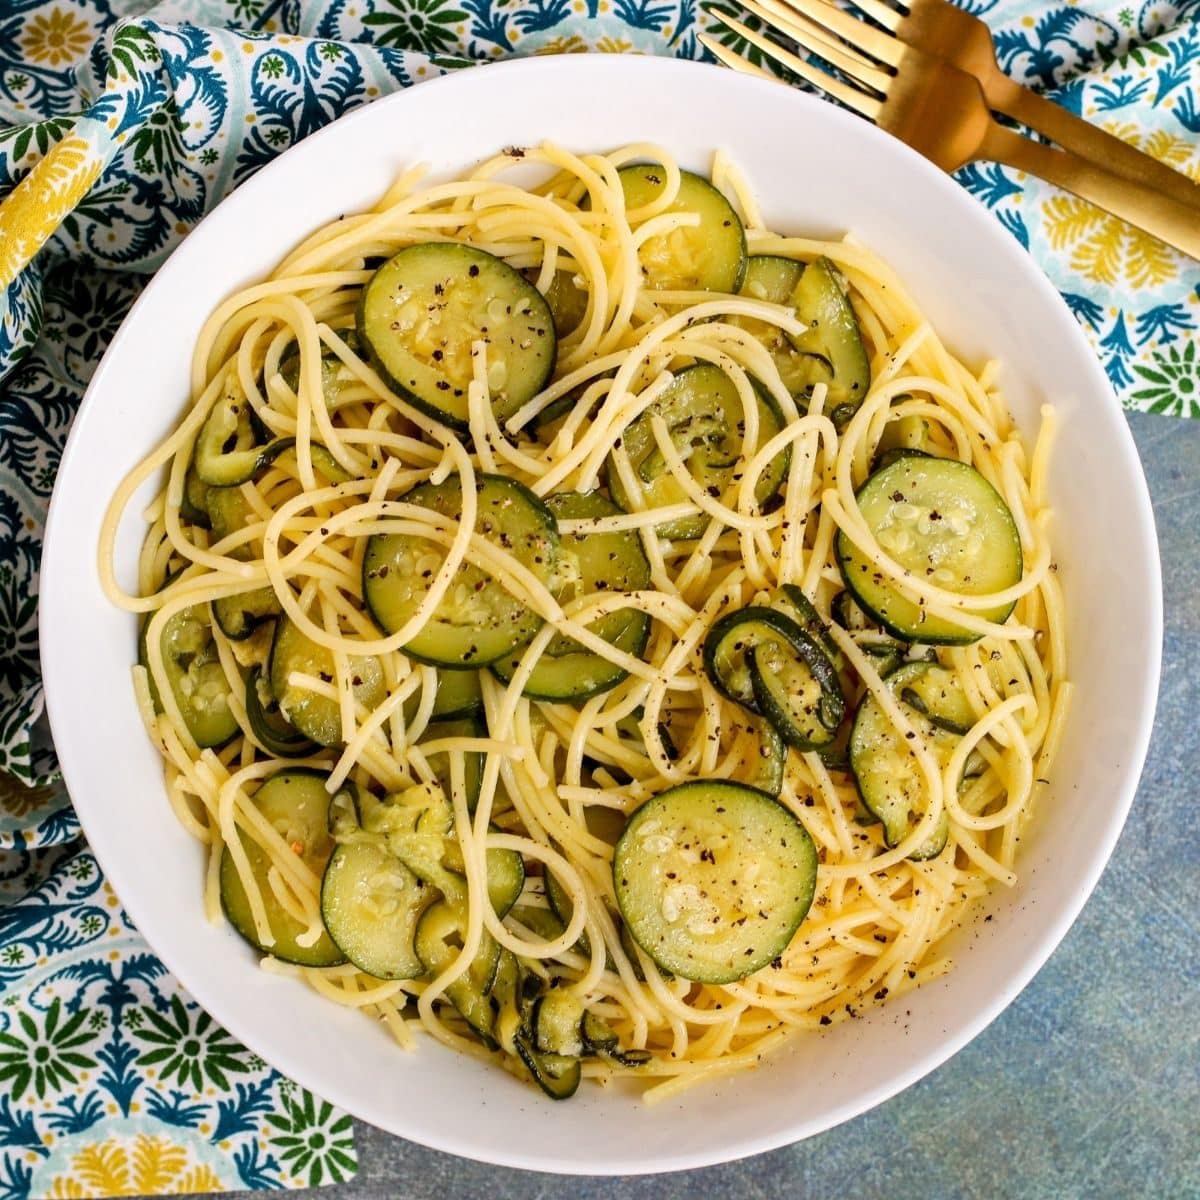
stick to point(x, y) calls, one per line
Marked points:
point(121, 124)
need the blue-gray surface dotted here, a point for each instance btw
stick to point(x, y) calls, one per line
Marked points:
point(1089, 1084)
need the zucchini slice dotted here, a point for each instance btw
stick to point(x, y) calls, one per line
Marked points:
point(228, 511)
point(833, 340)
point(281, 454)
point(345, 812)
point(558, 1075)
point(578, 676)
point(934, 693)
point(564, 910)
point(762, 756)
point(195, 675)
point(423, 309)
point(801, 609)
point(468, 727)
point(505, 870)
point(371, 903)
point(728, 645)
point(458, 695)
point(477, 621)
point(315, 716)
point(193, 505)
point(796, 687)
point(942, 521)
point(418, 827)
point(774, 279)
point(439, 936)
point(703, 412)
point(334, 373)
point(557, 1021)
point(889, 780)
point(587, 564)
point(595, 562)
point(278, 736)
point(239, 616)
point(227, 452)
point(710, 256)
point(713, 879)
point(568, 302)
point(904, 435)
point(599, 1039)
point(296, 803)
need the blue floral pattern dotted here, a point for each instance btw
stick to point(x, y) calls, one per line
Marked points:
point(100, 1047)
point(110, 1077)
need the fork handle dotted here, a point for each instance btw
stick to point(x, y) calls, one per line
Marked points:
point(1089, 141)
point(1162, 216)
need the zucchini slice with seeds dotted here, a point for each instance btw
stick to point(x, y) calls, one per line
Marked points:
point(423, 310)
point(713, 879)
point(940, 520)
point(296, 804)
point(195, 676)
point(477, 621)
point(371, 904)
point(709, 256)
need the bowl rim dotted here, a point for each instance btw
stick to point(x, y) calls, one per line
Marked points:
point(56, 574)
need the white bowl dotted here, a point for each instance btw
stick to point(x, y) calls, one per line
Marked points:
point(818, 170)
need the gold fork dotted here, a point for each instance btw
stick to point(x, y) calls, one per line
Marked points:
point(956, 37)
point(939, 110)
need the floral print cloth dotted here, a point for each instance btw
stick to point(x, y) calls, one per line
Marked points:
point(121, 123)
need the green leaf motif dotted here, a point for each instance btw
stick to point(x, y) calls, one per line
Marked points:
point(189, 1048)
point(45, 1059)
point(314, 1140)
point(427, 25)
point(1174, 380)
point(131, 45)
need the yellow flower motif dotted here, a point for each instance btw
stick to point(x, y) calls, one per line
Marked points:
point(612, 45)
point(1104, 248)
point(1176, 152)
point(564, 45)
point(34, 208)
point(155, 1168)
point(19, 800)
point(55, 37)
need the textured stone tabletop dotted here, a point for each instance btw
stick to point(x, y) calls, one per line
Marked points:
point(1087, 1086)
